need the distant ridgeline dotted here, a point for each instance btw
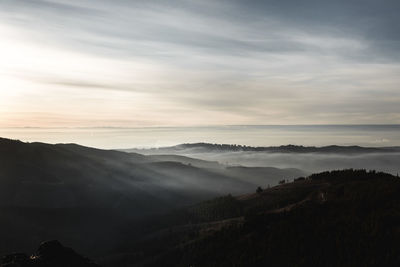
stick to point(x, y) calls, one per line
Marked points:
point(282, 149)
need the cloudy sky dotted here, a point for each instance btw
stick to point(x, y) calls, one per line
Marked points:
point(84, 63)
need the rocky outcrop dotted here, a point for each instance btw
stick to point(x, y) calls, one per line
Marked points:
point(49, 254)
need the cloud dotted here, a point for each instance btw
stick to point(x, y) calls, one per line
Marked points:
point(264, 62)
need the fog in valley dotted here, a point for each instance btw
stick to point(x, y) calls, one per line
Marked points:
point(308, 162)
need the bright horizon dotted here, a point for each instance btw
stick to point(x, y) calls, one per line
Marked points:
point(266, 135)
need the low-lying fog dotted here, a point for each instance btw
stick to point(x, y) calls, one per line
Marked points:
point(310, 162)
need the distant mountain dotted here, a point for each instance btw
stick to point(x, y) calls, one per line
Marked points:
point(207, 147)
point(85, 196)
point(338, 218)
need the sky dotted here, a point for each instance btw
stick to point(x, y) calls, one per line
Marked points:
point(120, 63)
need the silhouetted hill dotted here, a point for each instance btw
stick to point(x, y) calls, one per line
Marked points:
point(85, 196)
point(338, 218)
point(128, 209)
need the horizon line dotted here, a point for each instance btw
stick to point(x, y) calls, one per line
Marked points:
point(192, 126)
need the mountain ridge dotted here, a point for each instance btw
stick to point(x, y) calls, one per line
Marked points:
point(201, 147)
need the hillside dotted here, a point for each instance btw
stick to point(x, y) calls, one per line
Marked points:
point(84, 196)
point(339, 218)
point(129, 209)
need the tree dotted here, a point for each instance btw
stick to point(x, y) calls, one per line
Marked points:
point(259, 190)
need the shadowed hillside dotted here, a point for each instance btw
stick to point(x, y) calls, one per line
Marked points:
point(85, 197)
point(128, 209)
point(339, 218)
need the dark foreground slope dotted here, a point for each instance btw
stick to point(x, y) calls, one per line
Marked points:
point(339, 218)
point(49, 254)
point(85, 197)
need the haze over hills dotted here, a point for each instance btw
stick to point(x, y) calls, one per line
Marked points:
point(82, 196)
point(308, 158)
